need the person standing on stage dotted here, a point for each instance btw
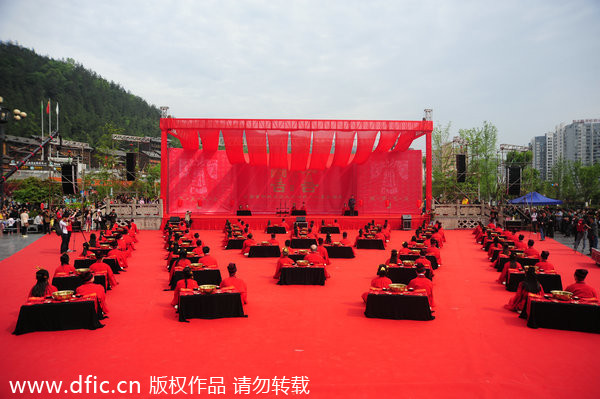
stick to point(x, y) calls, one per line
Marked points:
point(64, 233)
point(352, 204)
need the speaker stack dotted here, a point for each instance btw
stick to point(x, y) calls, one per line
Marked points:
point(68, 172)
point(130, 164)
point(461, 168)
point(514, 180)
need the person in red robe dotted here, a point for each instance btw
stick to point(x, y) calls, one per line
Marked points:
point(531, 251)
point(101, 267)
point(314, 258)
point(580, 288)
point(248, 242)
point(235, 283)
point(187, 283)
point(89, 288)
point(543, 264)
point(285, 224)
point(122, 245)
point(434, 250)
point(42, 287)
point(198, 250)
point(512, 264)
point(530, 284)
point(495, 245)
point(378, 283)
point(505, 254)
point(311, 234)
point(520, 243)
point(421, 282)
point(208, 260)
point(283, 261)
point(422, 260)
point(336, 224)
point(273, 240)
point(380, 236)
point(345, 241)
point(64, 267)
point(134, 227)
point(323, 251)
point(404, 250)
point(360, 236)
point(118, 255)
point(440, 231)
point(393, 259)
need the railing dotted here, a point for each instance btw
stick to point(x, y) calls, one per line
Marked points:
point(136, 210)
point(457, 210)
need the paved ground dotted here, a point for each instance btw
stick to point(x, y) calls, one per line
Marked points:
point(11, 243)
point(568, 241)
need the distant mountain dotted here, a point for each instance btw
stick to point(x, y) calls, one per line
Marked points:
point(90, 106)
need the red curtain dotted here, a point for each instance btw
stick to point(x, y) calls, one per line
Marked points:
point(257, 146)
point(300, 149)
point(278, 148)
point(210, 139)
point(364, 145)
point(321, 149)
point(206, 183)
point(187, 137)
point(386, 140)
point(343, 148)
point(404, 141)
point(234, 145)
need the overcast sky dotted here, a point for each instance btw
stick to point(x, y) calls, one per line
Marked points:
point(525, 66)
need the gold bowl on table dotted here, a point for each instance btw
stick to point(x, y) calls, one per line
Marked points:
point(82, 270)
point(196, 265)
point(104, 246)
point(336, 243)
point(408, 262)
point(562, 295)
point(369, 236)
point(264, 243)
point(62, 295)
point(535, 268)
point(397, 287)
point(303, 251)
point(207, 288)
point(302, 263)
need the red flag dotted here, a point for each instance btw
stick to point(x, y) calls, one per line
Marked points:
point(48, 107)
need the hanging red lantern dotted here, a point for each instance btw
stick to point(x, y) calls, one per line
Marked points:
point(360, 202)
point(179, 203)
point(387, 203)
point(199, 203)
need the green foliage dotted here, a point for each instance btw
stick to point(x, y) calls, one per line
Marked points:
point(86, 100)
point(482, 163)
point(443, 173)
point(35, 191)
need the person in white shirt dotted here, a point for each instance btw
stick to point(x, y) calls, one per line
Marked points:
point(24, 222)
point(64, 233)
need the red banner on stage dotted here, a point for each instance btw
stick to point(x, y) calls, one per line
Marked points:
point(206, 182)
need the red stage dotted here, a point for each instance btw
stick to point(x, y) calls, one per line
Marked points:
point(259, 222)
point(273, 164)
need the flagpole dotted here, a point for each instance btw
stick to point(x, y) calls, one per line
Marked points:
point(57, 115)
point(42, 112)
point(49, 116)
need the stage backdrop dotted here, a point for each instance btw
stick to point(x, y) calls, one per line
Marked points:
point(207, 183)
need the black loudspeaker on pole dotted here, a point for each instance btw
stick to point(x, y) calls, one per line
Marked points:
point(68, 173)
point(514, 180)
point(461, 168)
point(130, 164)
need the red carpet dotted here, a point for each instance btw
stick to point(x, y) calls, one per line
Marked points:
point(473, 349)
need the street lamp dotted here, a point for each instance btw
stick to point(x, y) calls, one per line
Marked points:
point(5, 116)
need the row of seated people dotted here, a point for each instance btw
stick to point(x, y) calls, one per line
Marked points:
point(420, 282)
point(317, 256)
point(496, 236)
point(231, 283)
point(427, 240)
point(88, 288)
point(179, 257)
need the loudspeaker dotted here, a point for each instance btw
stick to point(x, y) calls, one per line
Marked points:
point(130, 164)
point(514, 181)
point(461, 168)
point(68, 173)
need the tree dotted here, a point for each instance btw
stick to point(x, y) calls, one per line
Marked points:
point(36, 191)
point(443, 176)
point(482, 164)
